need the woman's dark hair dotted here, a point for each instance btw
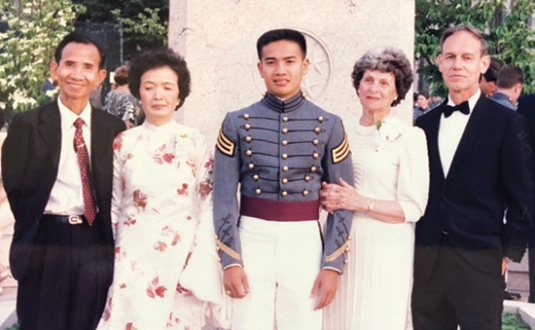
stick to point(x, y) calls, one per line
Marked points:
point(121, 75)
point(424, 94)
point(155, 59)
point(386, 59)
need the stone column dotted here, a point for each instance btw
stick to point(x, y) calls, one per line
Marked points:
point(218, 40)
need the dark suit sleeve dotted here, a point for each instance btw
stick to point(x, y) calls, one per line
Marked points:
point(16, 152)
point(517, 173)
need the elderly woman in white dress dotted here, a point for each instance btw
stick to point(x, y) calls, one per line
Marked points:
point(161, 197)
point(390, 194)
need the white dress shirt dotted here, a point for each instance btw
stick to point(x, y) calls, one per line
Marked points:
point(451, 130)
point(66, 197)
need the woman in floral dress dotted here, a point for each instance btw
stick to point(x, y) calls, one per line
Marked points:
point(390, 194)
point(161, 192)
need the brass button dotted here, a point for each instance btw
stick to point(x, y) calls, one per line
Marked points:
point(248, 138)
point(216, 237)
point(347, 249)
point(249, 153)
point(246, 116)
point(285, 181)
point(349, 238)
point(251, 166)
point(258, 191)
point(317, 129)
point(305, 192)
point(316, 155)
point(313, 169)
point(308, 178)
point(284, 143)
point(285, 119)
point(219, 259)
point(320, 119)
point(285, 168)
point(346, 262)
point(284, 156)
point(316, 142)
point(304, 95)
point(256, 177)
point(284, 130)
point(247, 126)
point(217, 248)
point(284, 193)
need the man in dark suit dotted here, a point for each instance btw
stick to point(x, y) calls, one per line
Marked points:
point(526, 107)
point(57, 163)
point(480, 165)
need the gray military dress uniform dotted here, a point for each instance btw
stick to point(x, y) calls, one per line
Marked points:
point(280, 152)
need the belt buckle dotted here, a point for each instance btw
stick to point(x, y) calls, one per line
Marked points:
point(75, 219)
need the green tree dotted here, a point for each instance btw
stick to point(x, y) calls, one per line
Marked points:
point(510, 38)
point(27, 48)
point(145, 22)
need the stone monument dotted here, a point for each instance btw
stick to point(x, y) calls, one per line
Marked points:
point(218, 40)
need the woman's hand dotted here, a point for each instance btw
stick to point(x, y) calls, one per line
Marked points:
point(343, 196)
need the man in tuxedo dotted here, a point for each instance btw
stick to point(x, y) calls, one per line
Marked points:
point(480, 165)
point(57, 163)
point(526, 107)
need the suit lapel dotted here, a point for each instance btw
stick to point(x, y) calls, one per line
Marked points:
point(473, 128)
point(49, 128)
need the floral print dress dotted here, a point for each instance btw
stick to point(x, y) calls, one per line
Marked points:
point(162, 184)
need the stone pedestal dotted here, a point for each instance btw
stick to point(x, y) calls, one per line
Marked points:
point(218, 40)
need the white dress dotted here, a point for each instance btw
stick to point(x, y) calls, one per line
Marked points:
point(162, 185)
point(374, 290)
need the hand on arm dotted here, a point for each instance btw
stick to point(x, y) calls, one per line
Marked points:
point(325, 287)
point(344, 196)
point(235, 281)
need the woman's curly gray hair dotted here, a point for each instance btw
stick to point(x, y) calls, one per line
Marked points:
point(386, 59)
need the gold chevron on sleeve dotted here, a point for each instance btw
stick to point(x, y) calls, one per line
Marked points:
point(340, 153)
point(224, 144)
point(338, 252)
point(227, 250)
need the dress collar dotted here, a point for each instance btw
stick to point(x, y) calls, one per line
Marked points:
point(276, 104)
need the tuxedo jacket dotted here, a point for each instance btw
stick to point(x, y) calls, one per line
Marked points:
point(30, 158)
point(491, 172)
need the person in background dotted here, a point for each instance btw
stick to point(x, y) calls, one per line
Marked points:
point(435, 101)
point(390, 193)
point(57, 163)
point(509, 86)
point(121, 103)
point(487, 81)
point(481, 163)
point(423, 102)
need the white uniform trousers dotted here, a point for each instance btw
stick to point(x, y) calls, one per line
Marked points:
point(282, 261)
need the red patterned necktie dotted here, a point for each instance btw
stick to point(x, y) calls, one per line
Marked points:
point(83, 159)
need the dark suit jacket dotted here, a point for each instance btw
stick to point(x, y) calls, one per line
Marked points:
point(491, 171)
point(30, 158)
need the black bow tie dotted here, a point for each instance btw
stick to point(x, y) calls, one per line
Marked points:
point(463, 107)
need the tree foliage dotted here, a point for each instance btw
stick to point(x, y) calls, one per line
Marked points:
point(35, 28)
point(507, 31)
point(145, 22)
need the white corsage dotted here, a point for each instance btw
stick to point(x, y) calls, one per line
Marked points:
point(388, 130)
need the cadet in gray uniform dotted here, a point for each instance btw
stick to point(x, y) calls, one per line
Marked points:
point(277, 264)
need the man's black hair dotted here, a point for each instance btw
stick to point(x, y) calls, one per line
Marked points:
point(281, 34)
point(79, 39)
